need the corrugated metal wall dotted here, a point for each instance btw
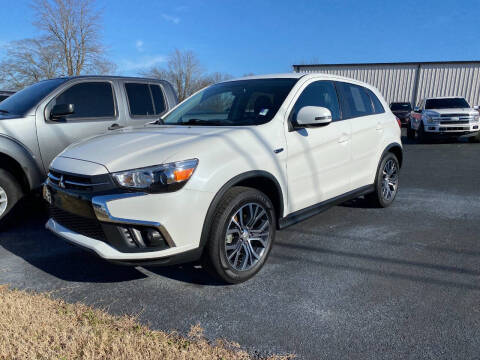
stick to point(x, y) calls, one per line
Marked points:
point(397, 82)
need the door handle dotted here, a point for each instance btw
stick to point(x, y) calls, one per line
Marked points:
point(379, 126)
point(114, 126)
point(343, 138)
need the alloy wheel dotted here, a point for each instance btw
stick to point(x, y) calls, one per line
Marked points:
point(247, 236)
point(390, 180)
point(3, 201)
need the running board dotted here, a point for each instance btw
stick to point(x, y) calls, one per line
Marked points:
point(310, 211)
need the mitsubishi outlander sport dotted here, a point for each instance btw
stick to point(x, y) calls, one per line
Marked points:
point(215, 177)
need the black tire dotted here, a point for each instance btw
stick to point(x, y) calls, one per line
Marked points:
point(11, 191)
point(378, 198)
point(422, 137)
point(215, 258)
point(410, 133)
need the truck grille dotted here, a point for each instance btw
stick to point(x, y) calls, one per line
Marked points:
point(454, 122)
point(79, 224)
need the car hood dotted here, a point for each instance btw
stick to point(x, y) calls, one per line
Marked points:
point(140, 147)
point(466, 111)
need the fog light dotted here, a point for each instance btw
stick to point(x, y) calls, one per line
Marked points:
point(154, 237)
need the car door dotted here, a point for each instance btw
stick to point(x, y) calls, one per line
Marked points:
point(95, 111)
point(146, 102)
point(367, 130)
point(318, 157)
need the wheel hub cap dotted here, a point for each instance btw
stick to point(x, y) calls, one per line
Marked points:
point(247, 237)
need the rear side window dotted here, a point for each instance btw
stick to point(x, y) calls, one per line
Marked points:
point(90, 99)
point(158, 100)
point(377, 105)
point(145, 99)
point(320, 93)
point(355, 100)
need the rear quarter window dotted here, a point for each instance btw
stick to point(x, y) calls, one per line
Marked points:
point(355, 100)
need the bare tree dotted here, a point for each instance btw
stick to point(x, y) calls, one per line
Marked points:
point(68, 44)
point(28, 61)
point(74, 26)
point(185, 72)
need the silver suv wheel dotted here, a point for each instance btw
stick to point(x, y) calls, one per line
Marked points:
point(390, 180)
point(247, 236)
point(3, 201)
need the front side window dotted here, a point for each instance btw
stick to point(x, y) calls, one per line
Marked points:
point(446, 103)
point(233, 103)
point(355, 100)
point(320, 93)
point(90, 100)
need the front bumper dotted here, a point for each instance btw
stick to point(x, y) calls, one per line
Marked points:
point(111, 213)
point(452, 129)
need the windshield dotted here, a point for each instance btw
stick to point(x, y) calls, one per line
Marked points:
point(233, 103)
point(22, 101)
point(400, 107)
point(449, 103)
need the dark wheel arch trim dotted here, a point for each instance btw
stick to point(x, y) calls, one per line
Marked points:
point(389, 148)
point(229, 184)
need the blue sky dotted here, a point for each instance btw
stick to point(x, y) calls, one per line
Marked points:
point(265, 36)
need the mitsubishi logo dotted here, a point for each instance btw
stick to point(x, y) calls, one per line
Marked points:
point(61, 183)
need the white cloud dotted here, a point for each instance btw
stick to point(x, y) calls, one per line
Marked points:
point(139, 45)
point(142, 63)
point(171, 18)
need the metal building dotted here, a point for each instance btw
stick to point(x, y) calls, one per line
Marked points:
point(411, 81)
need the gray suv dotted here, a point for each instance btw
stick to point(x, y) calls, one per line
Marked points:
point(40, 121)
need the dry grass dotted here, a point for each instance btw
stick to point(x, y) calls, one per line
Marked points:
point(36, 326)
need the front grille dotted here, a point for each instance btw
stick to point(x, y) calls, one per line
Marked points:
point(453, 128)
point(77, 182)
point(79, 224)
point(455, 115)
point(454, 122)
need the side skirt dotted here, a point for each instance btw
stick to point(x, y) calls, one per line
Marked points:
point(310, 211)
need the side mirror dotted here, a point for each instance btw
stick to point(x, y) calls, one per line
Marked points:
point(476, 107)
point(313, 116)
point(61, 110)
point(416, 109)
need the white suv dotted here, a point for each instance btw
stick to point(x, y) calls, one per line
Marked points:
point(216, 176)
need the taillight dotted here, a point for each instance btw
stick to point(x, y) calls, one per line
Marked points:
point(399, 122)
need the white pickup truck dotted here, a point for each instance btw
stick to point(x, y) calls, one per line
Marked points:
point(444, 116)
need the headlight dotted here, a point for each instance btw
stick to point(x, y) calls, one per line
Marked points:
point(431, 120)
point(476, 118)
point(161, 178)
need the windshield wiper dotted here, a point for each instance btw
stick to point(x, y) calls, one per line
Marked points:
point(159, 122)
point(4, 111)
point(201, 122)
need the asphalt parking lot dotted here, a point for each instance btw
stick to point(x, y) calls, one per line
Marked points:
point(402, 282)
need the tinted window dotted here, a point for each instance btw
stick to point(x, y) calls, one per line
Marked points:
point(140, 99)
point(90, 99)
point(24, 100)
point(400, 107)
point(3, 97)
point(320, 93)
point(355, 100)
point(233, 103)
point(377, 105)
point(158, 100)
point(449, 103)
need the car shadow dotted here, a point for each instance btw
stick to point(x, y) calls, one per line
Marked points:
point(26, 237)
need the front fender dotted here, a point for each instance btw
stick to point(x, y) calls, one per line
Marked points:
point(18, 152)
